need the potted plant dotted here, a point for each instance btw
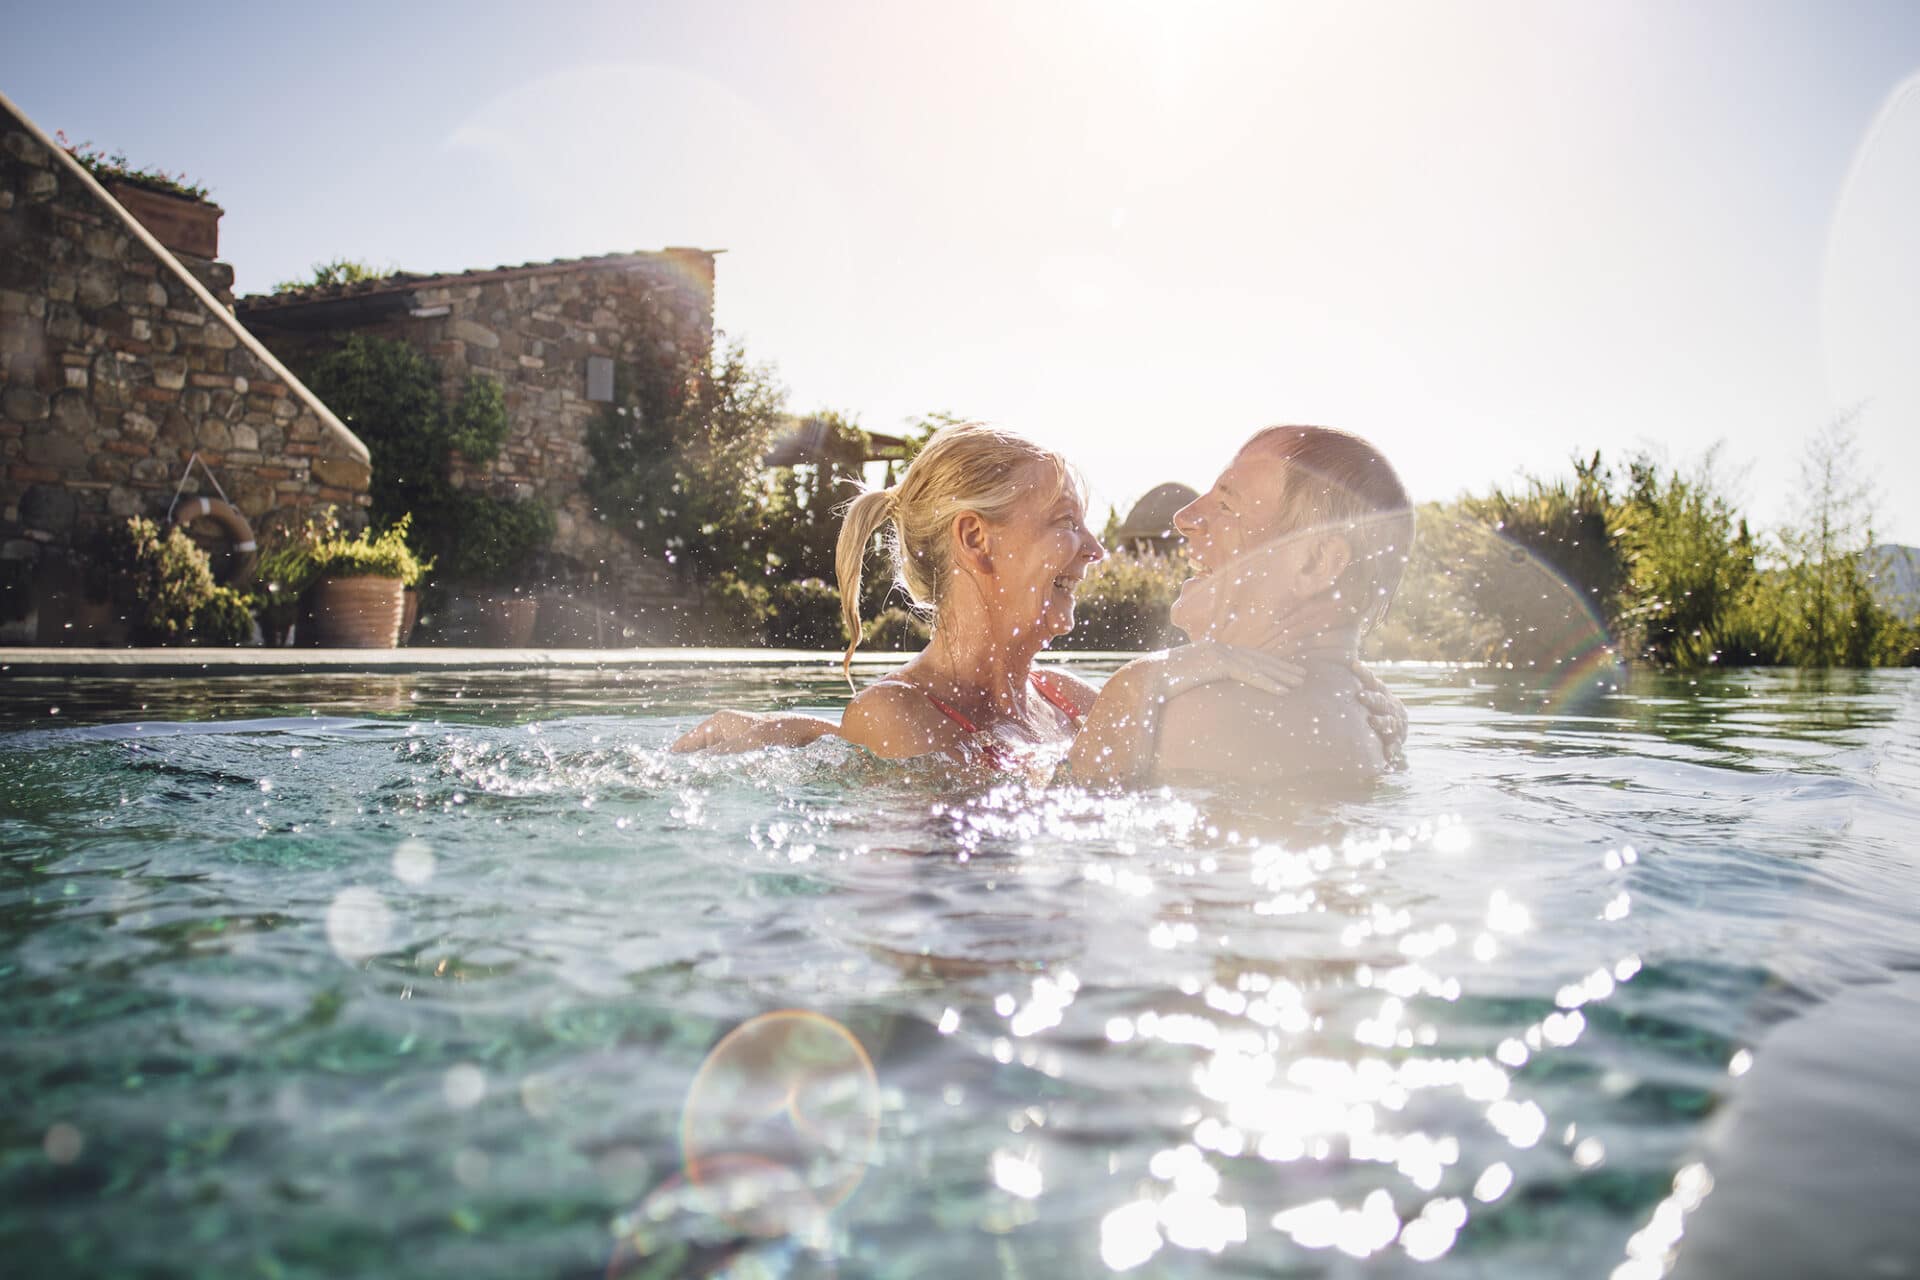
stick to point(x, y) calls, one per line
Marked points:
point(343, 592)
point(174, 208)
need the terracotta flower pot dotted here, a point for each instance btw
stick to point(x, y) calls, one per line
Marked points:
point(182, 223)
point(506, 622)
point(358, 612)
point(409, 615)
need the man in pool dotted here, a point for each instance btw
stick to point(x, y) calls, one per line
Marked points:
point(1298, 548)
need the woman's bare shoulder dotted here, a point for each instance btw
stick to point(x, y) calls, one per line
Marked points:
point(895, 720)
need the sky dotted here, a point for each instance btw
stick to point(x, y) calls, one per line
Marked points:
point(1488, 236)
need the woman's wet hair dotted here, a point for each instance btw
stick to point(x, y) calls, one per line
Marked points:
point(1337, 483)
point(967, 467)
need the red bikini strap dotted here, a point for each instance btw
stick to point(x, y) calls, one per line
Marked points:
point(1046, 691)
point(954, 714)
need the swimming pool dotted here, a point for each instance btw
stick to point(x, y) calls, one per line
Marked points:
point(415, 975)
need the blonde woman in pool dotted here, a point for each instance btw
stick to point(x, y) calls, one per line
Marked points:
point(987, 532)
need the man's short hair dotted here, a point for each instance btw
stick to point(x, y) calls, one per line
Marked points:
point(1338, 483)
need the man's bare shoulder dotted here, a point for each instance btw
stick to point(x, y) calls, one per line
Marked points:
point(1230, 729)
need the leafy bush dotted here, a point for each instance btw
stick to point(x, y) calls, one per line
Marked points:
point(165, 582)
point(805, 615)
point(500, 537)
point(389, 394)
point(1691, 573)
point(339, 271)
point(479, 425)
point(1125, 600)
point(384, 556)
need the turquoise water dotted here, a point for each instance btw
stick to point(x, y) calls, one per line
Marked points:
point(414, 976)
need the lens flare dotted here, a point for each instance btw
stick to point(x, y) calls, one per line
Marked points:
point(780, 1127)
point(1479, 590)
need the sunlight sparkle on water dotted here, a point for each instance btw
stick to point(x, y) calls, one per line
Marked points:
point(1017, 1174)
point(1130, 1235)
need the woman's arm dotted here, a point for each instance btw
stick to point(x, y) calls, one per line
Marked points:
point(728, 732)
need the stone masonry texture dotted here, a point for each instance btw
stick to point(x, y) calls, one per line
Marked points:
point(114, 371)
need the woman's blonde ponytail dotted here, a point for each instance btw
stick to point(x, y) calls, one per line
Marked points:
point(865, 516)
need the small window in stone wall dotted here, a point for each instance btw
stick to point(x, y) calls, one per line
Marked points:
point(600, 378)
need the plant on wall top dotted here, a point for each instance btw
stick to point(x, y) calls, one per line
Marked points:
point(337, 271)
point(113, 166)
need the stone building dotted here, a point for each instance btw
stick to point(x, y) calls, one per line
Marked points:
point(553, 334)
point(119, 365)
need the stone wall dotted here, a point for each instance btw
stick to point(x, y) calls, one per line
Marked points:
point(536, 329)
point(118, 367)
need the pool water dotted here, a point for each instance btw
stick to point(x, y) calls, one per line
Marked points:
point(441, 975)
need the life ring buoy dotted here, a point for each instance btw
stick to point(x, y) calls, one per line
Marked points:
point(246, 552)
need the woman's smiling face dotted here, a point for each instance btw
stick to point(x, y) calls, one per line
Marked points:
point(1042, 551)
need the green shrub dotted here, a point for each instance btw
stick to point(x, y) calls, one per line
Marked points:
point(498, 539)
point(739, 609)
point(1125, 600)
point(384, 556)
point(478, 425)
point(1691, 575)
point(805, 615)
point(337, 272)
point(389, 394)
point(224, 619)
point(165, 584)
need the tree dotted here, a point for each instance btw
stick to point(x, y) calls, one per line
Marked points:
point(1690, 568)
point(679, 461)
point(1826, 610)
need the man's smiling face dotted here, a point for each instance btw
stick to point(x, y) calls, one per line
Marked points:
point(1241, 510)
